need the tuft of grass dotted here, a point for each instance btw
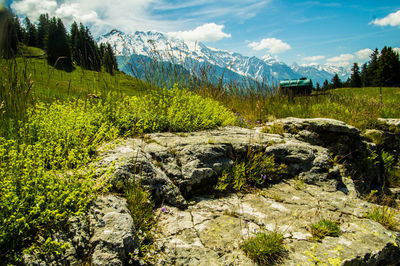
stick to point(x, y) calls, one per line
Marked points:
point(141, 208)
point(256, 170)
point(276, 128)
point(324, 228)
point(264, 248)
point(383, 215)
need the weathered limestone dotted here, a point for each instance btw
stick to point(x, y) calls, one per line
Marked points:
point(329, 165)
point(210, 230)
point(104, 236)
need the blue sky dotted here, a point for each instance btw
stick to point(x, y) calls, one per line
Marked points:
point(306, 32)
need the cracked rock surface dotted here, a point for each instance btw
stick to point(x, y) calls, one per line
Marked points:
point(329, 166)
point(211, 230)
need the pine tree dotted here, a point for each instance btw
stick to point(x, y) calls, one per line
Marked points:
point(74, 42)
point(58, 49)
point(372, 70)
point(318, 87)
point(325, 86)
point(355, 78)
point(109, 60)
point(42, 30)
point(31, 33)
point(388, 68)
point(336, 82)
point(21, 33)
point(8, 35)
point(363, 75)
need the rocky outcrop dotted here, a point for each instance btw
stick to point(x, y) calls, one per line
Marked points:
point(328, 166)
point(174, 167)
point(211, 230)
point(104, 236)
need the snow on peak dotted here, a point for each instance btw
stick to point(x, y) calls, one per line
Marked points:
point(171, 49)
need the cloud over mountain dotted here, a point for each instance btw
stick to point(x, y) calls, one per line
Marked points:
point(272, 45)
point(209, 32)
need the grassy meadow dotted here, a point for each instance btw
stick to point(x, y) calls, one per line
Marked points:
point(52, 122)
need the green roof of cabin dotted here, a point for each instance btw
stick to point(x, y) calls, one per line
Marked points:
point(296, 82)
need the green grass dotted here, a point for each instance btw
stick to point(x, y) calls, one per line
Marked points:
point(264, 248)
point(359, 107)
point(46, 143)
point(383, 215)
point(324, 228)
point(256, 170)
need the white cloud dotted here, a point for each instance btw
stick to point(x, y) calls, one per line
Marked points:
point(364, 54)
point(132, 15)
point(33, 8)
point(314, 58)
point(273, 45)
point(209, 32)
point(397, 50)
point(72, 12)
point(342, 60)
point(393, 19)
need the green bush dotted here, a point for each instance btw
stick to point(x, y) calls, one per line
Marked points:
point(324, 228)
point(257, 170)
point(170, 110)
point(264, 248)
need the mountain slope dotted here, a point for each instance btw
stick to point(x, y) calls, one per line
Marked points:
point(189, 55)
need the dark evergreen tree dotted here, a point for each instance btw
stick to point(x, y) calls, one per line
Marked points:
point(336, 82)
point(318, 87)
point(388, 68)
point(31, 33)
point(21, 33)
point(372, 70)
point(363, 75)
point(325, 85)
point(109, 60)
point(87, 52)
point(58, 49)
point(42, 30)
point(74, 42)
point(8, 35)
point(355, 78)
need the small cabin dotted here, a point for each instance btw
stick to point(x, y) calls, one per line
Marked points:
point(296, 86)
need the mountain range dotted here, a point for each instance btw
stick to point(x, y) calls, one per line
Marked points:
point(130, 49)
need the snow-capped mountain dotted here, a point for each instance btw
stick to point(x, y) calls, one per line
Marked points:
point(161, 47)
point(320, 73)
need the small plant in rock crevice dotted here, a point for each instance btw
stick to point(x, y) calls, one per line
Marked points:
point(141, 208)
point(383, 215)
point(264, 248)
point(324, 228)
point(256, 170)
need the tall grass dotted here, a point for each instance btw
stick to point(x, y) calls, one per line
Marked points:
point(261, 100)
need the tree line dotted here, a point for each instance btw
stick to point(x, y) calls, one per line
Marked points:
point(63, 49)
point(382, 70)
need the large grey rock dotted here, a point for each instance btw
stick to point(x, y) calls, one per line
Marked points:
point(104, 236)
point(211, 230)
point(175, 167)
point(113, 231)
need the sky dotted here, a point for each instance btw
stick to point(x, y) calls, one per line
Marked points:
point(306, 32)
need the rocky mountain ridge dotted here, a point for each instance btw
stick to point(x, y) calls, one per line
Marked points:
point(189, 54)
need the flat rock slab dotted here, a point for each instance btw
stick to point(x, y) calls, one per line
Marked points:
point(211, 230)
